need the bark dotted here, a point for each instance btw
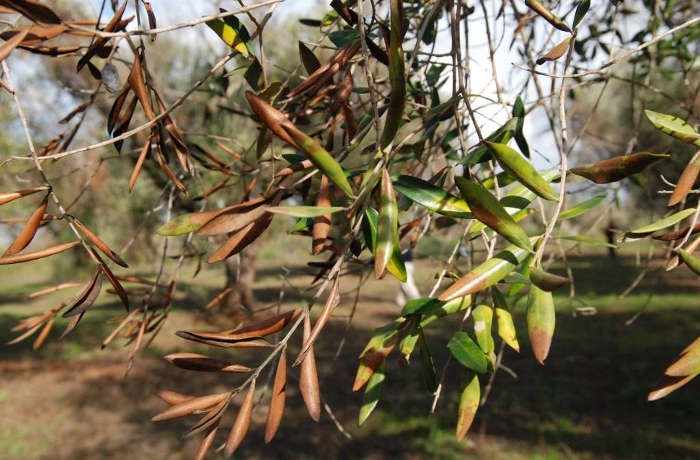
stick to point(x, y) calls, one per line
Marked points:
point(240, 275)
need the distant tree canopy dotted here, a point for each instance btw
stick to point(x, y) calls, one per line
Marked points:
point(372, 125)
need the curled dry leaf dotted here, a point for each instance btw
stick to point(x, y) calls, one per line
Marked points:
point(32, 10)
point(207, 442)
point(197, 362)
point(308, 378)
point(617, 168)
point(242, 238)
point(278, 398)
point(29, 231)
point(686, 181)
point(34, 255)
point(190, 406)
point(211, 418)
point(41, 338)
point(7, 47)
point(263, 328)
point(6, 197)
point(556, 52)
point(99, 244)
point(242, 422)
point(332, 302)
point(115, 24)
point(223, 340)
point(173, 398)
point(87, 296)
point(322, 224)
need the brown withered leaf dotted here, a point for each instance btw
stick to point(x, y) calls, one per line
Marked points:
point(79, 109)
point(332, 302)
point(556, 52)
point(278, 398)
point(686, 181)
point(6, 197)
point(223, 340)
point(41, 338)
point(322, 224)
point(122, 125)
point(51, 50)
point(99, 244)
point(34, 255)
point(242, 238)
point(677, 234)
point(116, 109)
point(113, 25)
point(115, 332)
point(168, 172)
point(71, 324)
point(218, 299)
point(7, 47)
point(52, 289)
point(270, 116)
point(139, 162)
point(207, 442)
point(197, 362)
point(263, 328)
point(118, 288)
point(29, 333)
point(308, 378)
point(173, 398)
point(34, 11)
point(29, 231)
point(211, 418)
point(138, 84)
point(242, 423)
point(191, 406)
point(233, 220)
point(152, 23)
point(36, 34)
point(87, 296)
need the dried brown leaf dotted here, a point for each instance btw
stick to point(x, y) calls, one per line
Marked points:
point(223, 340)
point(265, 327)
point(138, 84)
point(152, 23)
point(34, 11)
point(242, 238)
point(139, 163)
point(197, 362)
point(29, 231)
point(118, 288)
point(79, 109)
point(9, 46)
point(207, 442)
point(332, 302)
point(71, 324)
point(322, 224)
point(116, 109)
point(41, 338)
point(173, 398)
point(34, 255)
point(232, 221)
point(556, 52)
point(99, 244)
point(87, 296)
point(190, 406)
point(52, 289)
point(114, 24)
point(242, 422)
point(6, 197)
point(686, 181)
point(308, 378)
point(210, 419)
point(124, 322)
point(25, 335)
point(278, 398)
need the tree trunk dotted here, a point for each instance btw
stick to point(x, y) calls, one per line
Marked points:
point(240, 304)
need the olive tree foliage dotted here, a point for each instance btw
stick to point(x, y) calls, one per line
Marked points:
point(393, 120)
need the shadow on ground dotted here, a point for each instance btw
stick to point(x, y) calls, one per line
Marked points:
point(588, 402)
